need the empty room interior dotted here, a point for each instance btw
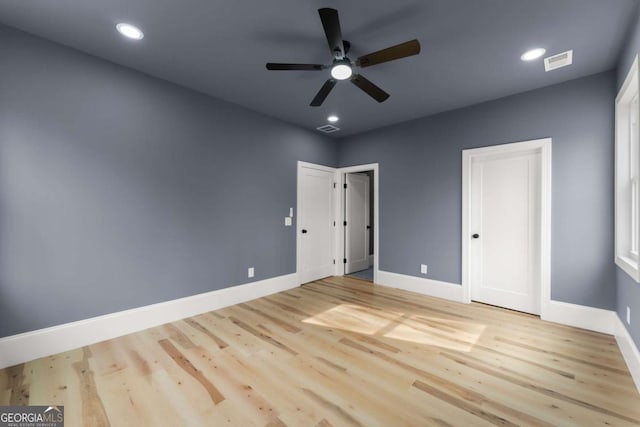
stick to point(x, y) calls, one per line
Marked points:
point(320, 213)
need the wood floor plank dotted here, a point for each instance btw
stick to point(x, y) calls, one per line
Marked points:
point(93, 412)
point(339, 352)
point(295, 408)
point(193, 322)
point(562, 382)
point(184, 363)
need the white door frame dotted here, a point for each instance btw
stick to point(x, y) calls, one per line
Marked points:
point(375, 191)
point(543, 146)
point(336, 203)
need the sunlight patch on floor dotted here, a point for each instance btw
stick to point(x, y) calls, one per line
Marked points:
point(409, 327)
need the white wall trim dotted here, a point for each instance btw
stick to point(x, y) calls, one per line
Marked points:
point(580, 316)
point(622, 211)
point(433, 288)
point(28, 346)
point(32, 345)
point(629, 350)
point(544, 146)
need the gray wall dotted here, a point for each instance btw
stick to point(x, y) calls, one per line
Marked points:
point(628, 291)
point(628, 295)
point(630, 48)
point(118, 190)
point(420, 183)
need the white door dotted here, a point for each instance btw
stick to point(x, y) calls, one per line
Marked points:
point(315, 223)
point(357, 217)
point(505, 230)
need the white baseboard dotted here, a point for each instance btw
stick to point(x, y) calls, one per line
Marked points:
point(433, 288)
point(28, 346)
point(580, 316)
point(594, 319)
point(629, 350)
point(590, 318)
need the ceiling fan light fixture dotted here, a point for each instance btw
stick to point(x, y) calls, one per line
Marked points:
point(341, 71)
point(130, 31)
point(342, 68)
point(533, 54)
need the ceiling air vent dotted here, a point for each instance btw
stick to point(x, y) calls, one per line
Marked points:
point(328, 129)
point(558, 61)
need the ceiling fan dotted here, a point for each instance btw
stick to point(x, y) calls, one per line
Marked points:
point(342, 67)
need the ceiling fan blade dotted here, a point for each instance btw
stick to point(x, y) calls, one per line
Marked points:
point(331, 25)
point(401, 50)
point(300, 67)
point(323, 92)
point(372, 90)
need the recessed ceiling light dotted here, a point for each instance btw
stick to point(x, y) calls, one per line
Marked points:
point(532, 54)
point(333, 119)
point(130, 31)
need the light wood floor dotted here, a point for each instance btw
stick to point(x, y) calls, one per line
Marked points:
point(339, 352)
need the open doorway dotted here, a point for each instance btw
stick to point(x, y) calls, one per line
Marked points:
point(359, 236)
point(321, 247)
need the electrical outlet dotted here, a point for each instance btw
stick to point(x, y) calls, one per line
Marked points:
point(251, 272)
point(423, 268)
point(628, 315)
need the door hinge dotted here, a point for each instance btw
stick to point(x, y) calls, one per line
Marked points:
point(344, 261)
point(334, 223)
point(334, 185)
point(345, 186)
point(345, 223)
point(334, 261)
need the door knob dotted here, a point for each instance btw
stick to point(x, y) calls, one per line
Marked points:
point(475, 236)
point(304, 231)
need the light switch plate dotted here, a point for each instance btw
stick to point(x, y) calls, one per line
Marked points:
point(287, 221)
point(291, 212)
